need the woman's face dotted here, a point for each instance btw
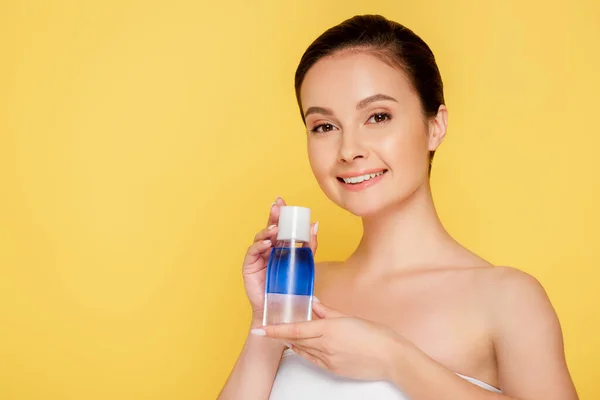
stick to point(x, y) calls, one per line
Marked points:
point(368, 141)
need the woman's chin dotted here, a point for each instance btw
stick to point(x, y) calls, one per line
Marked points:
point(363, 208)
point(363, 204)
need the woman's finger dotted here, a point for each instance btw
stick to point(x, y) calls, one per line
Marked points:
point(322, 311)
point(274, 211)
point(315, 343)
point(273, 214)
point(308, 355)
point(254, 253)
point(307, 348)
point(292, 331)
point(268, 233)
point(266, 253)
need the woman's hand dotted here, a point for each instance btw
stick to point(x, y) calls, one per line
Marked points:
point(346, 346)
point(254, 267)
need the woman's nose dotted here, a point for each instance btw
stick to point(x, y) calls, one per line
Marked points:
point(350, 149)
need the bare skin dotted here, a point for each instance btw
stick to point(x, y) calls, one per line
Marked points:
point(420, 305)
point(442, 311)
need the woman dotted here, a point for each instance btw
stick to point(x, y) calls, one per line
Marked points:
point(411, 314)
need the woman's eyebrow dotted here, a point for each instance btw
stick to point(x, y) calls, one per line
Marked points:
point(361, 104)
point(318, 110)
point(371, 99)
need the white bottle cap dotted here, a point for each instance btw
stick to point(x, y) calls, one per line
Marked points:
point(294, 223)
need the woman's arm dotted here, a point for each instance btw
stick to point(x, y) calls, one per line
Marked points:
point(254, 372)
point(528, 340)
point(528, 344)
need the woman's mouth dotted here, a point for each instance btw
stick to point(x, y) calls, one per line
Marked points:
point(361, 181)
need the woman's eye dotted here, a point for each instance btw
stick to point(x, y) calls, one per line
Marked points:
point(379, 117)
point(322, 128)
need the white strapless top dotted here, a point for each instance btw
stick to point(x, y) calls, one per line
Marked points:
point(299, 379)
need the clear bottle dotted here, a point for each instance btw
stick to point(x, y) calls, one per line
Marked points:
point(290, 272)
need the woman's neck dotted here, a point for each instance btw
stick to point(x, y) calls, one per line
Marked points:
point(406, 236)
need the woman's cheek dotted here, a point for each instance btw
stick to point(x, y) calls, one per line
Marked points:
point(317, 168)
point(318, 156)
point(409, 148)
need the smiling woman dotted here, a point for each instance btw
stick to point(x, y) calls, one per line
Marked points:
point(414, 314)
point(375, 125)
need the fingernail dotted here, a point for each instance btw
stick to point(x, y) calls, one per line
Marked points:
point(267, 241)
point(271, 226)
point(258, 332)
point(288, 344)
point(315, 228)
point(316, 300)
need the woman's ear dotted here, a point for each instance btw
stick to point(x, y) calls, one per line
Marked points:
point(437, 128)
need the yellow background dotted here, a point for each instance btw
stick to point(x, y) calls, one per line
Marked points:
point(142, 143)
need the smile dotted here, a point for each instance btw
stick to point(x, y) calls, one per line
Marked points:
point(358, 182)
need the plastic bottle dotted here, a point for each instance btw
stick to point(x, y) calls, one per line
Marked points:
point(291, 269)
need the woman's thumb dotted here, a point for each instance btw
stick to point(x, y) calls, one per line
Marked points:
point(322, 311)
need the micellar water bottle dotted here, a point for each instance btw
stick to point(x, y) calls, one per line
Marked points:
point(291, 270)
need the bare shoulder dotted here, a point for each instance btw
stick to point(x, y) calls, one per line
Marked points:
point(527, 336)
point(510, 277)
point(511, 293)
point(511, 286)
point(518, 302)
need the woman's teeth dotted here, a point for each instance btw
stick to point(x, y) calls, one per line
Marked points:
point(362, 178)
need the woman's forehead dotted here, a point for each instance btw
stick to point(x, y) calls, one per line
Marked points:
point(350, 76)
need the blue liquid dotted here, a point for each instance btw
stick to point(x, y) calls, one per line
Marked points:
point(291, 270)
